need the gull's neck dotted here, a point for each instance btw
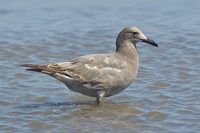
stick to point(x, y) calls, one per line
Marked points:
point(126, 48)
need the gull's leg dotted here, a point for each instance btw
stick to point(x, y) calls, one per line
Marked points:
point(100, 95)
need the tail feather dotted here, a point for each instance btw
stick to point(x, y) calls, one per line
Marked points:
point(47, 69)
point(36, 68)
point(50, 69)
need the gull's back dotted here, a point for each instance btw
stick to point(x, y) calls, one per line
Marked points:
point(93, 73)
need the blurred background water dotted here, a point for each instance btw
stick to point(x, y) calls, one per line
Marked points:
point(163, 99)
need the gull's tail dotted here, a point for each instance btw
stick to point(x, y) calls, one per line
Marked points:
point(38, 68)
point(53, 70)
point(49, 69)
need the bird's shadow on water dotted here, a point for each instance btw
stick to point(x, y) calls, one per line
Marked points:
point(67, 104)
point(56, 104)
point(82, 109)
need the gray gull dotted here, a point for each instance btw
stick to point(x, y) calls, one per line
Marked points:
point(100, 75)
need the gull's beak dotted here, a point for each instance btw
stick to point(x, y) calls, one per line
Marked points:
point(149, 41)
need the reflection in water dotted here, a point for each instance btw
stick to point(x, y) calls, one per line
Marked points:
point(86, 113)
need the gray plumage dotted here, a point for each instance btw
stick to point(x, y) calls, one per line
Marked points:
point(100, 75)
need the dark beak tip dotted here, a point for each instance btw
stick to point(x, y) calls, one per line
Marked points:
point(149, 41)
point(156, 45)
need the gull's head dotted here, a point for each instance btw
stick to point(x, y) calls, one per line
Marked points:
point(134, 35)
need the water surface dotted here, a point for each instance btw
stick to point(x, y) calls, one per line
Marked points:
point(164, 98)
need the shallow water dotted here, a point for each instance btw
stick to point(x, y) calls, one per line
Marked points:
point(164, 98)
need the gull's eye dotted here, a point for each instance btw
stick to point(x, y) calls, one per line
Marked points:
point(135, 33)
